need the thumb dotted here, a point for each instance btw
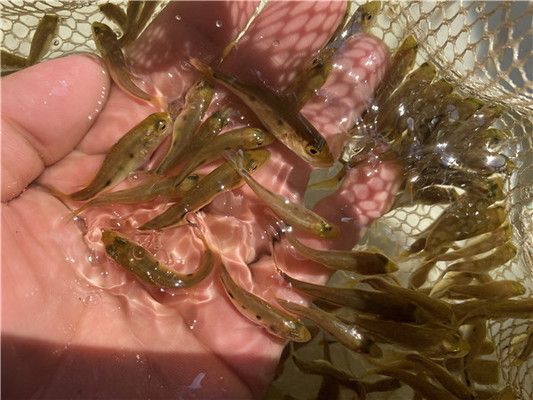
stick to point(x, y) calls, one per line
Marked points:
point(47, 109)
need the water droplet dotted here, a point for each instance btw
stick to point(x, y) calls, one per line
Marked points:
point(92, 299)
point(218, 23)
point(178, 17)
point(275, 43)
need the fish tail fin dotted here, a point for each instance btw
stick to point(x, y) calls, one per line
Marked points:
point(63, 197)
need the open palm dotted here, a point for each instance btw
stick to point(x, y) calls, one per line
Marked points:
point(75, 324)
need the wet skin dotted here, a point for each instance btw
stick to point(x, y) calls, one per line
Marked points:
point(73, 327)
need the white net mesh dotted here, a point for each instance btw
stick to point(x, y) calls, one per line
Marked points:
point(483, 48)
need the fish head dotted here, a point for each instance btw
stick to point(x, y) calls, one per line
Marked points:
point(318, 154)
point(368, 12)
point(260, 138)
point(327, 230)
point(291, 329)
point(159, 124)
point(113, 243)
point(253, 159)
point(101, 31)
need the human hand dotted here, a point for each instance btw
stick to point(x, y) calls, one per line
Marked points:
point(88, 328)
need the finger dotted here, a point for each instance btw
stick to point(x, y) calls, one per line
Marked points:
point(47, 110)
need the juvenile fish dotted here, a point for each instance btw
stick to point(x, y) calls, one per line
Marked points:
point(286, 124)
point(348, 335)
point(275, 321)
point(223, 178)
point(111, 52)
point(291, 213)
point(42, 38)
point(449, 280)
point(138, 17)
point(498, 257)
point(471, 311)
point(428, 195)
point(131, 151)
point(197, 101)
point(417, 382)
point(314, 73)
point(362, 262)
point(441, 374)
point(380, 304)
point(434, 307)
point(503, 289)
point(11, 62)
point(212, 126)
point(115, 13)
point(241, 138)
point(165, 189)
point(138, 260)
point(527, 350)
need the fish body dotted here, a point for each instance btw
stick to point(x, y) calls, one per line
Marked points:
point(497, 258)
point(115, 13)
point(362, 262)
point(197, 101)
point(287, 125)
point(213, 125)
point(380, 304)
point(139, 261)
point(441, 374)
point(274, 320)
point(471, 311)
point(113, 57)
point(527, 349)
point(345, 334)
point(131, 151)
point(314, 73)
point(435, 308)
point(241, 138)
point(223, 178)
point(503, 289)
point(42, 38)
point(291, 213)
point(166, 189)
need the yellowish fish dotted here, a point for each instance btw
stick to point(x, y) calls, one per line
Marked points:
point(287, 125)
point(497, 258)
point(139, 261)
point(291, 213)
point(131, 151)
point(274, 320)
point(197, 101)
point(223, 178)
point(113, 57)
point(115, 13)
point(503, 289)
point(361, 262)
point(46, 30)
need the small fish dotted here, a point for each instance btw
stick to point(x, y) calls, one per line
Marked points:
point(435, 308)
point(401, 62)
point(327, 370)
point(361, 262)
point(288, 126)
point(127, 154)
point(42, 38)
point(197, 101)
point(417, 382)
point(527, 349)
point(138, 260)
point(165, 189)
point(274, 320)
point(428, 195)
point(113, 57)
point(441, 374)
point(348, 335)
point(497, 258)
point(293, 214)
point(213, 125)
point(485, 243)
point(223, 178)
point(11, 62)
point(473, 310)
point(448, 280)
point(380, 304)
point(476, 335)
point(503, 289)
point(138, 17)
point(420, 275)
point(484, 372)
point(114, 13)
point(241, 138)
point(314, 73)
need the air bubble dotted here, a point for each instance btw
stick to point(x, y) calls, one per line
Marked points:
point(92, 299)
point(218, 23)
point(178, 17)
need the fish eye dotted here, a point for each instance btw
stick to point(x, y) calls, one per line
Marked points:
point(311, 150)
point(368, 17)
point(161, 125)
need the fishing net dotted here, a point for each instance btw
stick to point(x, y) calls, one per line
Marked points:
point(483, 48)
